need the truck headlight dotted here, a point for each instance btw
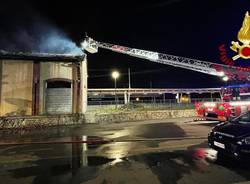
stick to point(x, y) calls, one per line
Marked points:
point(247, 140)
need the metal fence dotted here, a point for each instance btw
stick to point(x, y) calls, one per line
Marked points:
point(147, 104)
point(153, 101)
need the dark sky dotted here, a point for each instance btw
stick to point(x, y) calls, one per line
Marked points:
point(189, 28)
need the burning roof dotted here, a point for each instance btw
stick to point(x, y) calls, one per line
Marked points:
point(41, 56)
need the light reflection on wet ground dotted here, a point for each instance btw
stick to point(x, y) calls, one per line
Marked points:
point(121, 162)
point(73, 163)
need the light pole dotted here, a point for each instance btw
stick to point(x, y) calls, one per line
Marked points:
point(225, 79)
point(129, 86)
point(115, 75)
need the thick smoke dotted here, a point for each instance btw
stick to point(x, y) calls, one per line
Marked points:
point(55, 41)
point(26, 31)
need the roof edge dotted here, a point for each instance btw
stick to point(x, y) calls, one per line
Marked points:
point(41, 56)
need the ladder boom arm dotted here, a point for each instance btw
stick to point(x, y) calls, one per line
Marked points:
point(192, 64)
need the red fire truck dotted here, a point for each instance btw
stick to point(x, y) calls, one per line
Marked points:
point(234, 102)
point(219, 110)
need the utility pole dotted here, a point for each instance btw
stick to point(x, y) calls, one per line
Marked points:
point(115, 95)
point(152, 97)
point(129, 86)
point(129, 79)
point(115, 75)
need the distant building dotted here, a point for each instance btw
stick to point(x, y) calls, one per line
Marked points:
point(40, 84)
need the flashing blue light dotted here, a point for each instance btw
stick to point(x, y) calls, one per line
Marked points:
point(238, 86)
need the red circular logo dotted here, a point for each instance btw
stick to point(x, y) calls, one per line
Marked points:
point(245, 51)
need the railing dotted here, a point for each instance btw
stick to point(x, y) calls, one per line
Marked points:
point(147, 104)
point(153, 101)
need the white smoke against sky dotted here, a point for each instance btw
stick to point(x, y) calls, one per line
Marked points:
point(55, 41)
point(28, 31)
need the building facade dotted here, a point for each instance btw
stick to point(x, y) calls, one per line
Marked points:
point(41, 84)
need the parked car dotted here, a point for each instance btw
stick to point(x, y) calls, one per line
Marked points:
point(232, 137)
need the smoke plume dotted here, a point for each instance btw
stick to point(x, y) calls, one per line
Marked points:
point(24, 30)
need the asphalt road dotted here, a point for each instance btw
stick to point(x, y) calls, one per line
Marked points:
point(170, 151)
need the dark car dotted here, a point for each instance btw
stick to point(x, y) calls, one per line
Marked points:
point(232, 137)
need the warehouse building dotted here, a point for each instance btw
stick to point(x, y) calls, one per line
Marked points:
point(41, 84)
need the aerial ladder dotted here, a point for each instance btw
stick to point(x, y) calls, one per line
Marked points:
point(224, 71)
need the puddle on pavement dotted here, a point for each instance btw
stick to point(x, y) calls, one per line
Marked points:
point(76, 165)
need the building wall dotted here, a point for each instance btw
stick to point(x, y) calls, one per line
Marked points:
point(18, 96)
point(84, 86)
point(16, 88)
point(52, 70)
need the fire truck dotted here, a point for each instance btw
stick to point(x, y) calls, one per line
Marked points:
point(235, 101)
point(214, 110)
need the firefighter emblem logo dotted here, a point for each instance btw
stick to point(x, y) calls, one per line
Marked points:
point(243, 49)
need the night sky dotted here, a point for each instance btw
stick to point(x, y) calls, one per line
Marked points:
point(188, 28)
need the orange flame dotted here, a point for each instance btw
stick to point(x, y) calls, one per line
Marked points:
point(244, 33)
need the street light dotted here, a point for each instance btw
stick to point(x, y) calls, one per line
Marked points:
point(221, 74)
point(225, 78)
point(115, 75)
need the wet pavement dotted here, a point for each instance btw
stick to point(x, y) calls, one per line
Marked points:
point(151, 161)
